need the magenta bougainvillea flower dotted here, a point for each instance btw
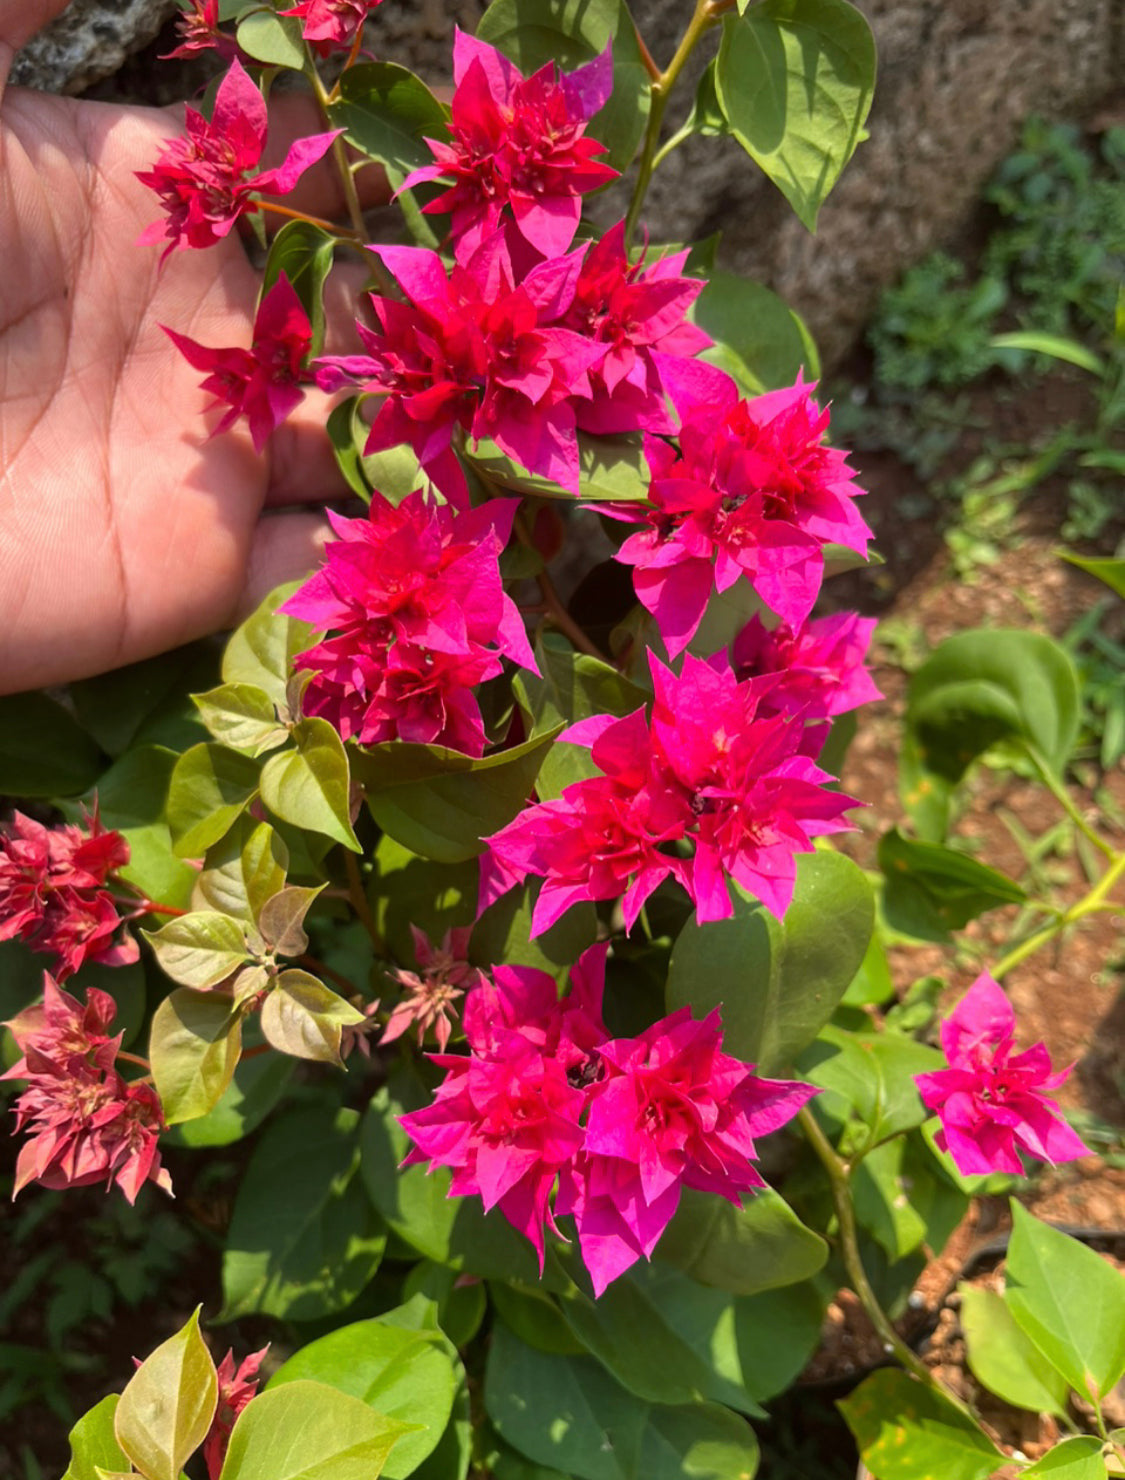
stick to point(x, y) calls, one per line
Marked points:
point(638, 313)
point(753, 493)
point(419, 617)
point(821, 665)
point(332, 23)
point(236, 1388)
point(994, 1102)
point(443, 977)
point(204, 180)
point(199, 28)
point(472, 350)
point(88, 1124)
point(708, 773)
point(261, 383)
point(621, 1125)
point(54, 894)
point(520, 143)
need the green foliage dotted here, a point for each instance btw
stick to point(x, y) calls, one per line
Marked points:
point(166, 1410)
point(906, 1431)
point(306, 1430)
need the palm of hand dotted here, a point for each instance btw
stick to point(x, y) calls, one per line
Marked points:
point(123, 530)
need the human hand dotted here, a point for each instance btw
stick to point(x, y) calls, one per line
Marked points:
point(124, 531)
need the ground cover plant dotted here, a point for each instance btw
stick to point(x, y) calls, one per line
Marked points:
point(497, 941)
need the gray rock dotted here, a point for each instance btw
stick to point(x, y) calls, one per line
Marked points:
point(89, 41)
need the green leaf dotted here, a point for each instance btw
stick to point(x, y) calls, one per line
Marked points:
point(664, 1337)
point(303, 252)
point(262, 650)
point(166, 1410)
point(413, 890)
point(194, 1047)
point(904, 1200)
point(569, 33)
point(909, 1432)
point(308, 1431)
point(758, 338)
point(242, 716)
point(131, 798)
point(402, 1374)
point(257, 1086)
point(440, 803)
point(872, 984)
point(1069, 1301)
point(572, 686)
point(534, 1317)
point(242, 871)
point(199, 950)
point(1055, 345)
point(610, 470)
point(1102, 568)
point(569, 1414)
point(759, 1246)
point(43, 750)
point(795, 79)
point(503, 933)
point(931, 890)
point(777, 982)
point(873, 1075)
point(208, 791)
point(93, 1442)
point(388, 113)
point(461, 1307)
point(303, 1239)
point(304, 1018)
point(707, 117)
point(282, 916)
point(309, 786)
point(273, 39)
point(1006, 1361)
point(989, 685)
point(1079, 1458)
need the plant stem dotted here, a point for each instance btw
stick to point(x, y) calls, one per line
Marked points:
point(1066, 801)
point(358, 897)
point(705, 15)
point(1089, 904)
point(145, 906)
point(838, 1171)
point(278, 210)
point(132, 1058)
point(553, 607)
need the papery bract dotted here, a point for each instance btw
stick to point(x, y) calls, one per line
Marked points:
point(204, 180)
point(414, 599)
point(994, 1102)
point(261, 383)
point(331, 23)
point(443, 976)
point(236, 1388)
point(821, 665)
point(518, 142)
point(199, 28)
point(753, 493)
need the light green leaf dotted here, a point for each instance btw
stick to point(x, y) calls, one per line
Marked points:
point(610, 470)
point(1055, 345)
point(904, 1200)
point(758, 338)
point(131, 798)
point(208, 791)
point(795, 80)
point(304, 1018)
point(262, 650)
point(777, 982)
point(309, 786)
point(1079, 1458)
point(1006, 1361)
point(194, 1047)
point(281, 919)
point(909, 1432)
point(1103, 568)
point(199, 950)
point(94, 1443)
point(242, 871)
point(257, 1086)
point(273, 39)
point(241, 716)
point(308, 1431)
point(166, 1409)
point(1069, 1301)
point(874, 1075)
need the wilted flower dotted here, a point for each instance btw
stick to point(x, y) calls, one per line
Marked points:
point(204, 180)
point(236, 1388)
point(331, 23)
point(443, 976)
point(518, 142)
point(199, 28)
point(261, 383)
point(993, 1102)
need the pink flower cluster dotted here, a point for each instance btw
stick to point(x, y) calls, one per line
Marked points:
point(546, 1099)
point(993, 1102)
point(419, 617)
point(53, 892)
point(443, 977)
point(330, 24)
point(711, 788)
point(88, 1124)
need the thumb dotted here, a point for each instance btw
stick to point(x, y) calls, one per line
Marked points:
point(19, 21)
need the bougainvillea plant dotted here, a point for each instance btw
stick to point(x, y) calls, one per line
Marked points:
point(511, 922)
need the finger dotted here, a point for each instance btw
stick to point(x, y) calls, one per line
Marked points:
point(20, 19)
point(284, 548)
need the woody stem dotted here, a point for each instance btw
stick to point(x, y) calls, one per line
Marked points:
point(290, 215)
point(1089, 904)
point(357, 895)
point(553, 607)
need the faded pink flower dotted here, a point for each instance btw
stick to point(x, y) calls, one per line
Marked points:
point(332, 23)
point(54, 894)
point(204, 180)
point(88, 1124)
point(638, 313)
point(670, 1110)
point(821, 665)
point(993, 1102)
point(753, 493)
point(199, 28)
point(443, 976)
point(261, 383)
point(473, 350)
point(236, 1388)
point(420, 617)
point(518, 142)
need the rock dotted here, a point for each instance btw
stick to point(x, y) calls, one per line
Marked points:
point(89, 41)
